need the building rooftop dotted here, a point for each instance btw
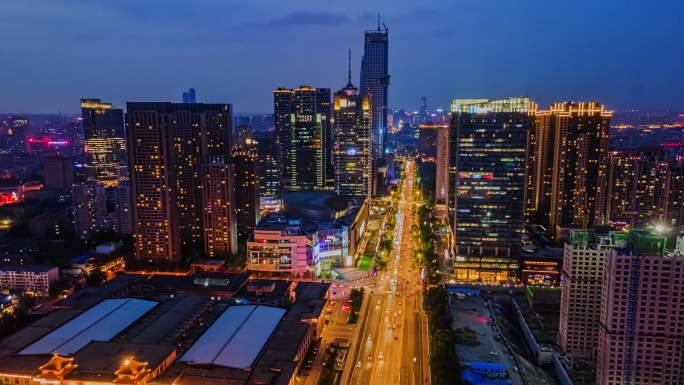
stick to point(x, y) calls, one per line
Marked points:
point(310, 299)
point(33, 269)
point(235, 339)
point(99, 323)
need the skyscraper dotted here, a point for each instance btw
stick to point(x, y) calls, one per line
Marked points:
point(105, 146)
point(375, 80)
point(641, 333)
point(269, 165)
point(170, 144)
point(581, 282)
point(189, 96)
point(246, 192)
point(487, 169)
point(636, 188)
point(566, 162)
point(351, 141)
point(220, 230)
point(302, 118)
point(90, 208)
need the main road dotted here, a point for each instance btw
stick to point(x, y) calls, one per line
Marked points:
point(393, 341)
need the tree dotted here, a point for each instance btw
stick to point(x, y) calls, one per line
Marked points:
point(95, 278)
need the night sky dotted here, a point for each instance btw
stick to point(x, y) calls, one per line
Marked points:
point(624, 53)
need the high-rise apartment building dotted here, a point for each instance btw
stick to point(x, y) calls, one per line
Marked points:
point(122, 209)
point(351, 141)
point(302, 119)
point(637, 186)
point(170, 144)
point(220, 230)
point(90, 209)
point(567, 160)
point(246, 192)
point(487, 170)
point(375, 80)
point(641, 328)
point(674, 207)
point(581, 282)
point(103, 137)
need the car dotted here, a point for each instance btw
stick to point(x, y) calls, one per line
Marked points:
point(380, 356)
point(396, 338)
point(493, 354)
point(370, 337)
point(358, 363)
point(414, 360)
point(370, 357)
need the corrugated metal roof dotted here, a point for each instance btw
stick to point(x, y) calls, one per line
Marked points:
point(100, 323)
point(236, 338)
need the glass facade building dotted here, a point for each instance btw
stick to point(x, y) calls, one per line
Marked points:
point(351, 142)
point(487, 169)
point(375, 81)
point(105, 146)
point(302, 118)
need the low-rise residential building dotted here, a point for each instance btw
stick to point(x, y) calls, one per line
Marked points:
point(28, 279)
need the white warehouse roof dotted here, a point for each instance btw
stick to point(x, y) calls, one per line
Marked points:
point(236, 338)
point(100, 323)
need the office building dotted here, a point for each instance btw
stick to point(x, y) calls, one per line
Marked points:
point(302, 123)
point(487, 169)
point(351, 141)
point(567, 164)
point(641, 328)
point(169, 146)
point(269, 165)
point(246, 192)
point(28, 279)
point(90, 209)
point(637, 186)
point(189, 96)
point(375, 80)
point(244, 136)
point(59, 172)
point(220, 227)
point(104, 140)
point(581, 282)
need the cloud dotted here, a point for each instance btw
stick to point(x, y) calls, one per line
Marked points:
point(306, 18)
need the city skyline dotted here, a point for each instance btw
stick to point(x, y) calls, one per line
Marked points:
point(240, 73)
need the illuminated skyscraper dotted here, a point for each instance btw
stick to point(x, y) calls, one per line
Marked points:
point(269, 165)
point(169, 146)
point(220, 230)
point(567, 160)
point(636, 189)
point(487, 169)
point(246, 192)
point(375, 80)
point(105, 146)
point(302, 118)
point(351, 141)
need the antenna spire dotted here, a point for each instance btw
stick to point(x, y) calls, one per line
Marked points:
point(349, 69)
point(378, 20)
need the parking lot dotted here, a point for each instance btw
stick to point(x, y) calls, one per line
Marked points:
point(471, 315)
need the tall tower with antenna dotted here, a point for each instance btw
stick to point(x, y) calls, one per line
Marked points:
point(375, 80)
